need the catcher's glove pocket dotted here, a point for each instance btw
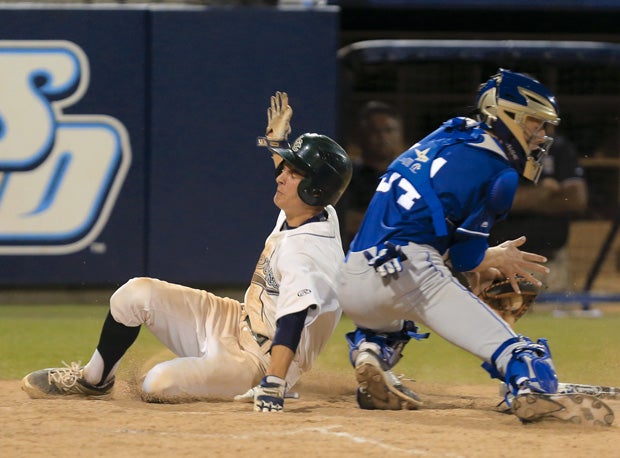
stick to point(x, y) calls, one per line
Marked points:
point(508, 303)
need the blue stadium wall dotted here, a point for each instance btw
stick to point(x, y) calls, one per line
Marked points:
point(127, 137)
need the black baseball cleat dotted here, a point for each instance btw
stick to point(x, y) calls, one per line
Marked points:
point(379, 388)
point(570, 408)
point(64, 381)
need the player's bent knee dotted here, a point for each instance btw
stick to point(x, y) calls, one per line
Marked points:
point(160, 386)
point(130, 297)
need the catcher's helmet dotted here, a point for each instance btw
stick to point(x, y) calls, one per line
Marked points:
point(503, 104)
point(326, 165)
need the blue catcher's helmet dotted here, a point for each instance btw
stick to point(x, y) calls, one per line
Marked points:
point(504, 102)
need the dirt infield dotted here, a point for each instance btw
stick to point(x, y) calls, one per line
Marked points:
point(458, 421)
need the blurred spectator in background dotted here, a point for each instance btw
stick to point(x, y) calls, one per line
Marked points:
point(543, 212)
point(379, 136)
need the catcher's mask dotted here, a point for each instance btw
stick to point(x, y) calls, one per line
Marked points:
point(326, 166)
point(504, 103)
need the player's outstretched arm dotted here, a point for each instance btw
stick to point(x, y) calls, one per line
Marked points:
point(268, 396)
point(514, 263)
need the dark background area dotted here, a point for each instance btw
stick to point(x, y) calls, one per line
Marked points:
point(596, 21)
point(195, 208)
point(430, 86)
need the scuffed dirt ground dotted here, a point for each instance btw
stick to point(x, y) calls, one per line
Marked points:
point(458, 421)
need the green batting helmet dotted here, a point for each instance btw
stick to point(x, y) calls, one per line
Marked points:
point(326, 165)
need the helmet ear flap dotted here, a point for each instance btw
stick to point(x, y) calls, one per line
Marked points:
point(315, 192)
point(310, 194)
point(487, 106)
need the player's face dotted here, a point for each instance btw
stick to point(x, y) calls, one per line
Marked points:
point(535, 133)
point(286, 197)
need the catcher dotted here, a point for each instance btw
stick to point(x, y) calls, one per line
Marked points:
point(439, 199)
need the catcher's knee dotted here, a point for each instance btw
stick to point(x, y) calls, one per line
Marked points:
point(387, 345)
point(530, 368)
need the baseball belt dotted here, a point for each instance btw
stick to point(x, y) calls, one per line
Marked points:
point(260, 339)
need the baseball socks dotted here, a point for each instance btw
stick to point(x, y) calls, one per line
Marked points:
point(115, 340)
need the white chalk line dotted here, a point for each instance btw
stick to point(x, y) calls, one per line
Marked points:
point(327, 430)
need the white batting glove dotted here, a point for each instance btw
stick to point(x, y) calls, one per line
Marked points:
point(269, 395)
point(387, 261)
point(279, 117)
point(248, 396)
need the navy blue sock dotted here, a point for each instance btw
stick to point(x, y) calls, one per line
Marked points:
point(115, 340)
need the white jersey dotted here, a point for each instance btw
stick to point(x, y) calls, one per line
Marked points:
point(222, 345)
point(297, 271)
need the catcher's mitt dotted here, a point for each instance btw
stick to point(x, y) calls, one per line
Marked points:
point(509, 304)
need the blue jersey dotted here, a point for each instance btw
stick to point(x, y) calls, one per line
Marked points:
point(445, 191)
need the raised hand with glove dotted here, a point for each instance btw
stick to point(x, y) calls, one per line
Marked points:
point(279, 116)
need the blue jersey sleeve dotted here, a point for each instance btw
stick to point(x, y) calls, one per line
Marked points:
point(502, 192)
point(467, 254)
point(471, 241)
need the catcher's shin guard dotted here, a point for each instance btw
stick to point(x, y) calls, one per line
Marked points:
point(387, 345)
point(530, 369)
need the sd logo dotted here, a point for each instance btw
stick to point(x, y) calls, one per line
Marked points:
point(60, 174)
